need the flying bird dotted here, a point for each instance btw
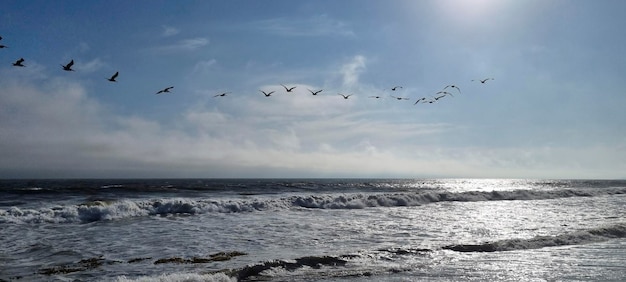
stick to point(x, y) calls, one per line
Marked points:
point(483, 80)
point(345, 96)
point(376, 97)
point(439, 97)
point(453, 86)
point(315, 92)
point(19, 62)
point(399, 98)
point(396, 88)
point(165, 90)
point(288, 89)
point(113, 77)
point(3, 46)
point(267, 94)
point(445, 93)
point(222, 94)
point(420, 99)
point(68, 67)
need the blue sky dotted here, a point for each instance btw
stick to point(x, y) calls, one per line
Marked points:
point(555, 108)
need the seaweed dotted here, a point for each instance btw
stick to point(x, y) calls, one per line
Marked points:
point(82, 265)
point(221, 256)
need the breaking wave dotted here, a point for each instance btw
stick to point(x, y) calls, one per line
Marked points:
point(574, 238)
point(111, 210)
point(181, 277)
point(271, 266)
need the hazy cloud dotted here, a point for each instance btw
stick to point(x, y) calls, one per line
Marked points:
point(90, 66)
point(169, 31)
point(184, 45)
point(203, 66)
point(351, 71)
point(57, 130)
point(321, 25)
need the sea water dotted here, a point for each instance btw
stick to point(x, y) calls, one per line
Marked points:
point(313, 230)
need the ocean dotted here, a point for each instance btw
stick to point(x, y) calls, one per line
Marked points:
point(312, 230)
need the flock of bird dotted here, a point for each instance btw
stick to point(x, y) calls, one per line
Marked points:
point(438, 95)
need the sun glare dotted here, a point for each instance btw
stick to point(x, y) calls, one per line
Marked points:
point(468, 12)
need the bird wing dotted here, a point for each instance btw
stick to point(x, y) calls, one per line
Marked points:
point(115, 75)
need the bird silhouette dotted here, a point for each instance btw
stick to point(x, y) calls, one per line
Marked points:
point(483, 80)
point(315, 92)
point(289, 89)
point(222, 94)
point(445, 93)
point(345, 96)
point(453, 86)
point(113, 77)
point(418, 100)
point(165, 90)
point(376, 97)
point(68, 67)
point(3, 46)
point(19, 62)
point(439, 97)
point(396, 88)
point(399, 98)
point(268, 93)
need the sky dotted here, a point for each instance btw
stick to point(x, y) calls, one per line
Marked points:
point(554, 108)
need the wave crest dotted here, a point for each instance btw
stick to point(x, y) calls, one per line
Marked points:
point(102, 210)
point(575, 238)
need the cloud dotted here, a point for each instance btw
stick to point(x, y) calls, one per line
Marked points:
point(91, 66)
point(320, 25)
point(351, 71)
point(184, 45)
point(53, 128)
point(56, 129)
point(169, 31)
point(202, 67)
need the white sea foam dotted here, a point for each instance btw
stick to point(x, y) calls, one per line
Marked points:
point(574, 238)
point(98, 211)
point(180, 277)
